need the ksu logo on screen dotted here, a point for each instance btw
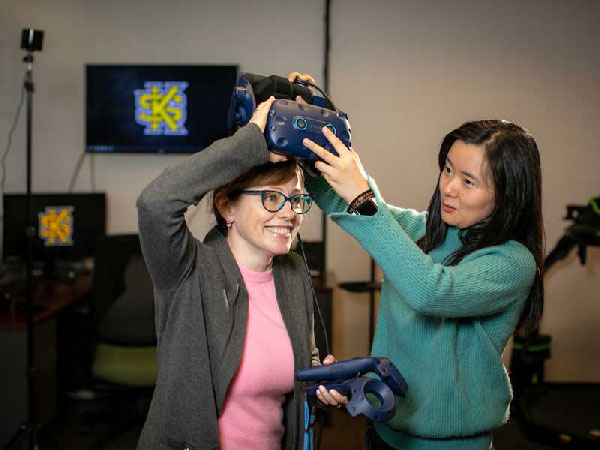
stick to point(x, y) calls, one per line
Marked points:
point(161, 107)
point(56, 225)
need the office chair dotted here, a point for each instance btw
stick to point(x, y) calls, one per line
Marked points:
point(124, 367)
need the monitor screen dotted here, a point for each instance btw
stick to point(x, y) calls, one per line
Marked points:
point(156, 108)
point(66, 226)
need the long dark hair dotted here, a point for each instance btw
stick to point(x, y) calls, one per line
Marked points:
point(514, 162)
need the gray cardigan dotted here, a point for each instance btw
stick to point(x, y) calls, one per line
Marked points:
point(201, 302)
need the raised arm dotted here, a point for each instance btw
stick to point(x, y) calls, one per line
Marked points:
point(413, 222)
point(167, 243)
point(485, 282)
point(327, 199)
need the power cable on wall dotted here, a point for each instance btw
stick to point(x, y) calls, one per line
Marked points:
point(9, 144)
point(326, 87)
point(10, 135)
point(77, 169)
point(92, 171)
point(327, 46)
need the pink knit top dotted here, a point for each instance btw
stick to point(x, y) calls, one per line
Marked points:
point(252, 417)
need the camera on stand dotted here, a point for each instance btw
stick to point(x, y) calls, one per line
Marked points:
point(32, 40)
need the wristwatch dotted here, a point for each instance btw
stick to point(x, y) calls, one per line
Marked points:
point(366, 208)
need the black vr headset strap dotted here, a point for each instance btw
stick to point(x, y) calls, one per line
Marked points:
point(280, 88)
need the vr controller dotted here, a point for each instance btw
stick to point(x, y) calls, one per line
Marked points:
point(289, 122)
point(345, 377)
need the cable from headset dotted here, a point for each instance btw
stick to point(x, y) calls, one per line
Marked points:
point(314, 294)
point(314, 418)
point(313, 85)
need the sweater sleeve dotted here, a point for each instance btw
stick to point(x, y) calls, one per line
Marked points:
point(413, 222)
point(167, 243)
point(327, 199)
point(485, 282)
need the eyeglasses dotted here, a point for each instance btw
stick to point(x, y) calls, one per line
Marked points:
point(273, 201)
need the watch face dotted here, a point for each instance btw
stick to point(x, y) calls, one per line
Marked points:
point(367, 208)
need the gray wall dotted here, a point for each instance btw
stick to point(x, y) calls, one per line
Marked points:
point(406, 72)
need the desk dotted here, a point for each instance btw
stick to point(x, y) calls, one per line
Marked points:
point(53, 295)
point(56, 297)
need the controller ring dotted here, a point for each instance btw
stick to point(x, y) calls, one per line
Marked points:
point(300, 123)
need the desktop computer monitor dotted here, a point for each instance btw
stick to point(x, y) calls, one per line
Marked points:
point(66, 229)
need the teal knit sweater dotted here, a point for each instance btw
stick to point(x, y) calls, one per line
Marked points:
point(444, 327)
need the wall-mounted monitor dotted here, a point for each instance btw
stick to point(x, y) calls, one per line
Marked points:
point(67, 226)
point(156, 108)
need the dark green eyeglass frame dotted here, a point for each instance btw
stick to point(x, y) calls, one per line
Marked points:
point(306, 199)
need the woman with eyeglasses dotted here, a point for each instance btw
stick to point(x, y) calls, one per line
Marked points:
point(234, 313)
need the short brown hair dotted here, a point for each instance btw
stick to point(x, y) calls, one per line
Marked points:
point(263, 175)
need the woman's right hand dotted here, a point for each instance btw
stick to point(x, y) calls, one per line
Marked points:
point(261, 113)
point(259, 117)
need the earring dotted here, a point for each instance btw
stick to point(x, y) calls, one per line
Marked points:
point(228, 223)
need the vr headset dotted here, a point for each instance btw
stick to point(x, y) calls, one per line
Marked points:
point(289, 122)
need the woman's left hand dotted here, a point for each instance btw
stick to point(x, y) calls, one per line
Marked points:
point(344, 173)
point(331, 397)
point(293, 76)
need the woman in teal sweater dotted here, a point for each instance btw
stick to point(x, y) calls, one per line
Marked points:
point(458, 279)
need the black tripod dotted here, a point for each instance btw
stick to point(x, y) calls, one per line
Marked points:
point(31, 40)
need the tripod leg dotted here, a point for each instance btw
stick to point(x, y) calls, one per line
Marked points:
point(17, 439)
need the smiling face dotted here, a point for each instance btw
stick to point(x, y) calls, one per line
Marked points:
point(256, 235)
point(466, 187)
